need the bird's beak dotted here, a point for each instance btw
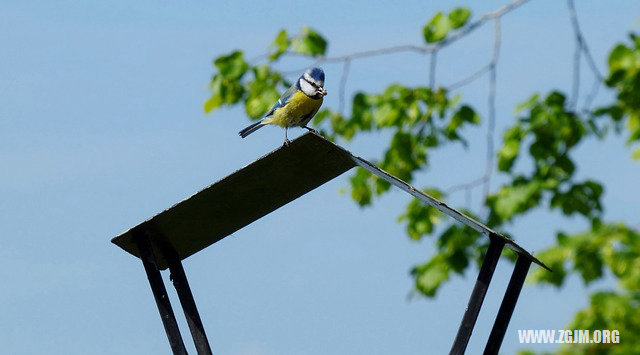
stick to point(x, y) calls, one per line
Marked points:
point(323, 92)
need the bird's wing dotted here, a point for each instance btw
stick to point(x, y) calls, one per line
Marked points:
point(283, 100)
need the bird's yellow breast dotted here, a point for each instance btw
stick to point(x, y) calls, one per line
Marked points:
point(298, 111)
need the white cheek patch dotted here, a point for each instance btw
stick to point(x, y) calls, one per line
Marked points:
point(307, 88)
point(308, 77)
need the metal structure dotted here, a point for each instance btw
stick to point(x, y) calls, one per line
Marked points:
point(260, 188)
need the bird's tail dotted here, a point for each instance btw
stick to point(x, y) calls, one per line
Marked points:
point(252, 128)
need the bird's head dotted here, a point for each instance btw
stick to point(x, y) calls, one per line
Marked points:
point(312, 83)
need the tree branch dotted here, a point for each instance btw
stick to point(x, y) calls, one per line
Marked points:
point(469, 79)
point(343, 84)
point(432, 69)
point(458, 34)
point(491, 126)
point(581, 46)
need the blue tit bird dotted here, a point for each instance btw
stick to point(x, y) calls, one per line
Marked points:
point(297, 106)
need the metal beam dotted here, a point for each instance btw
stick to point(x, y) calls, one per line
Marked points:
point(477, 296)
point(266, 185)
point(508, 305)
point(181, 284)
point(244, 196)
point(159, 292)
point(443, 207)
point(259, 189)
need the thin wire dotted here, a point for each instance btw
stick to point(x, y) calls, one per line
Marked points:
point(581, 44)
point(432, 49)
point(456, 35)
point(575, 90)
point(580, 37)
point(343, 84)
point(432, 69)
point(592, 95)
point(469, 79)
point(492, 108)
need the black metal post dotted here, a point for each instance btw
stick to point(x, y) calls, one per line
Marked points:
point(181, 284)
point(477, 296)
point(159, 293)
point(508, 305)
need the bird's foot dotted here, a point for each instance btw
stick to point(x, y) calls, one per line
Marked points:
point(286, 143)
point(311, 130)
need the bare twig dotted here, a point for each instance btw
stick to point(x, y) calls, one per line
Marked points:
point(580, 38)
point(469, 79)
point(362, 54)
point(492, 108)
point(581, 49)
point(343, 84)
point(485, 179)
point(575, 90)
point(456, 35)
point(432, 69)
point(592, 95)
point(466, 186)
point(432, 49)
point(377, 52)
point(481, 21)
point(581, 45)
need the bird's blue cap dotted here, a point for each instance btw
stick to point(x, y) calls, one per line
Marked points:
point(317, 74)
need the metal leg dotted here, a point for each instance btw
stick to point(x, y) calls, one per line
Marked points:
point(160, 293)
point(179, 279)
point(508, 305)
point(477, 296)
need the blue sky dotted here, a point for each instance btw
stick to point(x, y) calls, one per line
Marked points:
point(101, 127)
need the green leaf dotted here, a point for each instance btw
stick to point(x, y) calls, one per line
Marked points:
point(309, 42)
point(465, 114)
point(633, 125)
point(224, 91)
point(582, 198)
point(259, 103)
point(515, 199)
point(458, 17)
point(387, 115)
point(361, 111)
point(431, 275)
point(321, 116)
point(440, 25)
point(511, 147)
point(212, 103)
point(508, 154)
point(361, 187)
point(555, 258)
point(262, 92)
point(620, 57)
point(437, 29)
point(421, 218)
point(341, 126)
point(280, 45)
point(636, 154)
point(406, 154)
point(532, 101)
point(457, 244)
point(231, 66)
point(226, 88)
point(588, 261)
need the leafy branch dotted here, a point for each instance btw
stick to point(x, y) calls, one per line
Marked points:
point(419, 120)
